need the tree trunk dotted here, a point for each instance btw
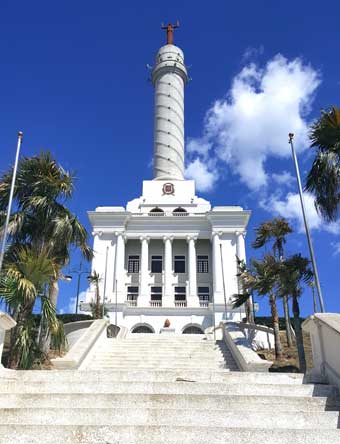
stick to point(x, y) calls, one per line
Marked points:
point(298, 334)
point(98, 313)
point(45, 334)
point(287, 321)
point(275, 319)
point(249, 311)
point(15, 353)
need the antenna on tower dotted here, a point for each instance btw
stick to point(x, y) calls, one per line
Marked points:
point(170, 31)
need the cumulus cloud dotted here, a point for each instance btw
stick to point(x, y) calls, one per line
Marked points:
point(290, 208)
point(284, 178)
point(204, 177)
point(251, 123)
point(70, 306)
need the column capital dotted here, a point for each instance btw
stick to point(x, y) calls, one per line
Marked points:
point(170, 238)
point(119, 233)
point(241, 233)
point(144, 238)
point(97, 233)
point(189, 238)
point(216, 234)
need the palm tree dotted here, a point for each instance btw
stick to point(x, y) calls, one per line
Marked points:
point(262, 278)
point(41, 219)
point(323, 179)
point(293, 272)
point(26, 275)
point(245, 297)
point(275, 231)
point(94, 279)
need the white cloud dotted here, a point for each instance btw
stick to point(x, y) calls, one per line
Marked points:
point(70, 307)
point(284, 178)
point(336, 248)
point(290, 208)
point(251, 52)
point(251, 123)
point(204, 176)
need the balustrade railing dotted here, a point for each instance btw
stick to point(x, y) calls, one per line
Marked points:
point(155, 303)
point(204, 304)
point(180, 303)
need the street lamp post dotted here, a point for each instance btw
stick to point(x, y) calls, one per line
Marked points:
point(309, 238)
point(79, 272)
point(11, 194)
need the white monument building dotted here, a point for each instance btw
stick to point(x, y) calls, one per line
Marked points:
point(169, 254)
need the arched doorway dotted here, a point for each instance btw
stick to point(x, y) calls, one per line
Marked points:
point(192, 330)
point(142, 328)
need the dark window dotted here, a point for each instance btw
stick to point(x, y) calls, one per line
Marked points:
point(202, 264)
point(156, 293)
point(180, 210)
point(179, 293)
point(156, 210)
point(193, 330)
point(179, 264)
point(133, 264)
point(203, 293)
point(132, 293)
point(142, 329)
point(156, 264)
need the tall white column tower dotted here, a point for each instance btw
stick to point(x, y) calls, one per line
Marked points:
point(169, 76)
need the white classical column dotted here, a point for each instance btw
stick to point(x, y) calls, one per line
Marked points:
point(120, 263)
point(240, 246)
point(144, 296)
point(168, 299)
point(192, 298)
point(217, 268)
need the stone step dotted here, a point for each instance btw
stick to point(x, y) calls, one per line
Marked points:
point(28, 434)
point(116, 366)
point(179, 387)
point(192, 402)
point(164, 358)
point(195, 374)
point(160, 350)
point(170, 417)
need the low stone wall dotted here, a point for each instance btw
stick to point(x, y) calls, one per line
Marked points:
point(81, 347)
point(324, 330)
point(74, 331)
point(241, 348)
point(260, 336)
point(6, 323)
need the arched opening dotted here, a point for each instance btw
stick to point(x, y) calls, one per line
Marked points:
point(156, 212)
point(142, 328)
point(192, 330)
point(179, 211)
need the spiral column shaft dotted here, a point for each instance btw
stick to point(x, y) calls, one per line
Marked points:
point(169, 76)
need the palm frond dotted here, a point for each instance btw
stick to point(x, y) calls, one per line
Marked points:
point(239, 299)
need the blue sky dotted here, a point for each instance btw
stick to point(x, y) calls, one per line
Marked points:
point(74, 80)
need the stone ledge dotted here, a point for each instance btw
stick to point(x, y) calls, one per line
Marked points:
point(81, 347)
point(246, 358)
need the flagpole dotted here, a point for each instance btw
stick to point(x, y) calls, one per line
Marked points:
point(4, 238)
point(309, 239)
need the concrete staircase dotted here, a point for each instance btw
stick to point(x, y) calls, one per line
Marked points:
point(152, 389)
point(159, 352)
